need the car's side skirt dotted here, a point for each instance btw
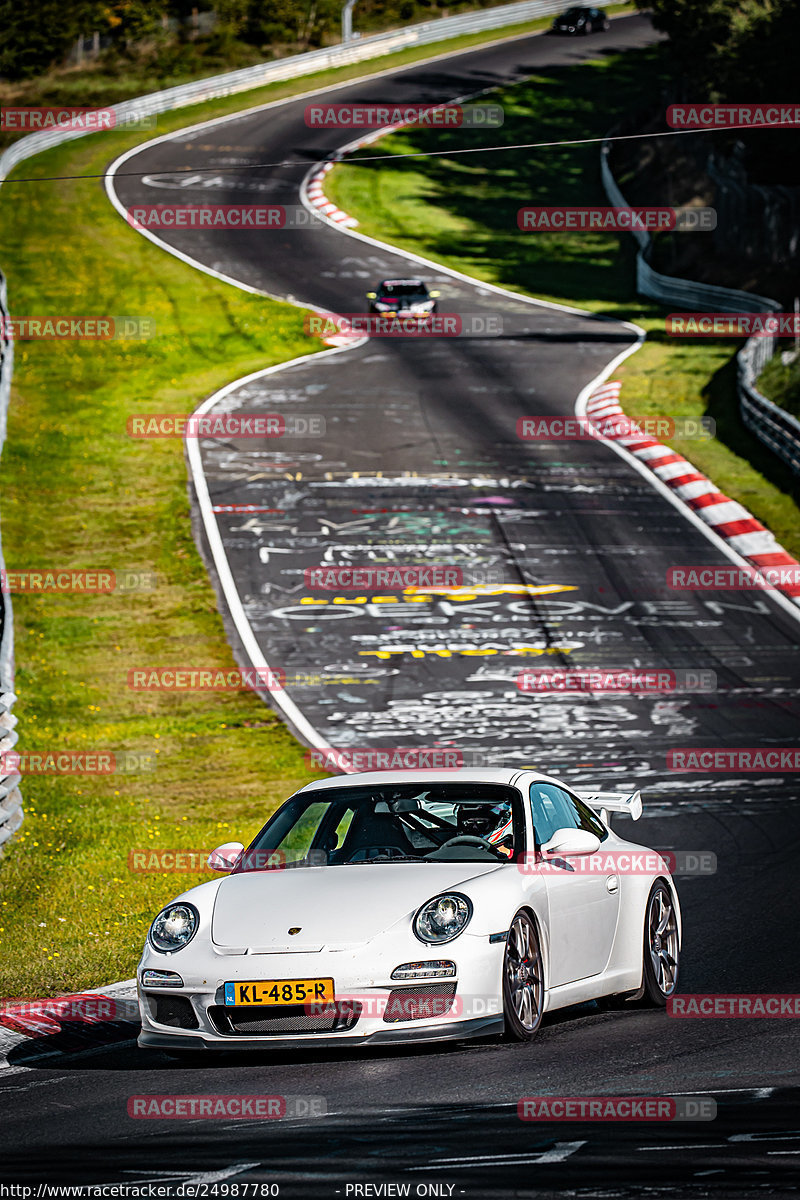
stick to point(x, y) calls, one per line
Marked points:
point(582, 990)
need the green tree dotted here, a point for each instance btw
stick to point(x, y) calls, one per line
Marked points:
point(732, 49)
point(38, 34)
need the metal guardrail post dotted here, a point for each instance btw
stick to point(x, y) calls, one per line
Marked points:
point(347, 21)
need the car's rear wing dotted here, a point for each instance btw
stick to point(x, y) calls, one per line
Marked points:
point(629, 803)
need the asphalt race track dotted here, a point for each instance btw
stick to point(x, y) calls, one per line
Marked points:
point(420, 462)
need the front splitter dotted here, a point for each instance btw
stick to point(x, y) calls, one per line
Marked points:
point(483, 1027)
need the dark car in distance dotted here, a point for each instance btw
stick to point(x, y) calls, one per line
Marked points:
point(409, 297)
point(581, 21)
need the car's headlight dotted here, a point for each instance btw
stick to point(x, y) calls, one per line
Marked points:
point(174, 927)
point(443, 918)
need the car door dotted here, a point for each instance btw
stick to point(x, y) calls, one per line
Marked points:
point(583, 904)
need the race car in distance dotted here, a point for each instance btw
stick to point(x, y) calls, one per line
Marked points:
point(409, 297)
point(399, 906)
point(581, 20)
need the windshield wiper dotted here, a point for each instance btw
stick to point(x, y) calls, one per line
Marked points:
point(370, 862)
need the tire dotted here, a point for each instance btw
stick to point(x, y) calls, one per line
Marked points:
point(523, 980)
point(660, 950)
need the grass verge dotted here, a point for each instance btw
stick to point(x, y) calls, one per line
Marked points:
point(462, 211)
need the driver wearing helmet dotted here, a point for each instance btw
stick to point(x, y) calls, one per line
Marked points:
point(494, 824)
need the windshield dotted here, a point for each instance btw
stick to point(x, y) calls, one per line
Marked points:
point(403, 289)
point(444, 822)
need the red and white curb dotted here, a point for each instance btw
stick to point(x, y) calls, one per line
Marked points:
point(728, 519)
point(314, 189)
point(320, 201)
point(67, 1024)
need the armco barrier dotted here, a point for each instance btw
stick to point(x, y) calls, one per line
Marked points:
point(214, 87)
point(10, 801)
point(773, 426)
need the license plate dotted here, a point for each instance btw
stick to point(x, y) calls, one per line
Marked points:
point(279, 991)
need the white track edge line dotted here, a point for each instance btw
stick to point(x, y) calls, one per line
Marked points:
point(230, 590)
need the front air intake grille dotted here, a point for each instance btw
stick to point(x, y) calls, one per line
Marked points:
point(243, 1020)
point(420, 1003)
point(175, 1011)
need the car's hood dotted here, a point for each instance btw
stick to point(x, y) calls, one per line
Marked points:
point(331, 906)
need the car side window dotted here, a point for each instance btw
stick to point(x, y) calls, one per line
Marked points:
point(295, 845)
point(554, 808)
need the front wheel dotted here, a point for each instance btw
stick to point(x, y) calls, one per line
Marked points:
point(660, 946)
point(523, 980)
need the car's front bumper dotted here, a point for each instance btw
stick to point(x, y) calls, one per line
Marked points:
point(363, 987)
point(414, 1031)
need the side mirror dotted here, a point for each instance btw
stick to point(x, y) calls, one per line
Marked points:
point(571, 843)
point(434, 294)
point(225, 857)
point(372, 295)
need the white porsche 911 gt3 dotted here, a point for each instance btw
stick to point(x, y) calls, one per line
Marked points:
point(412, 905)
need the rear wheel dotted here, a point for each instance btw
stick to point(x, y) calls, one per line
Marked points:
point(660, 946)
point(523, 980)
